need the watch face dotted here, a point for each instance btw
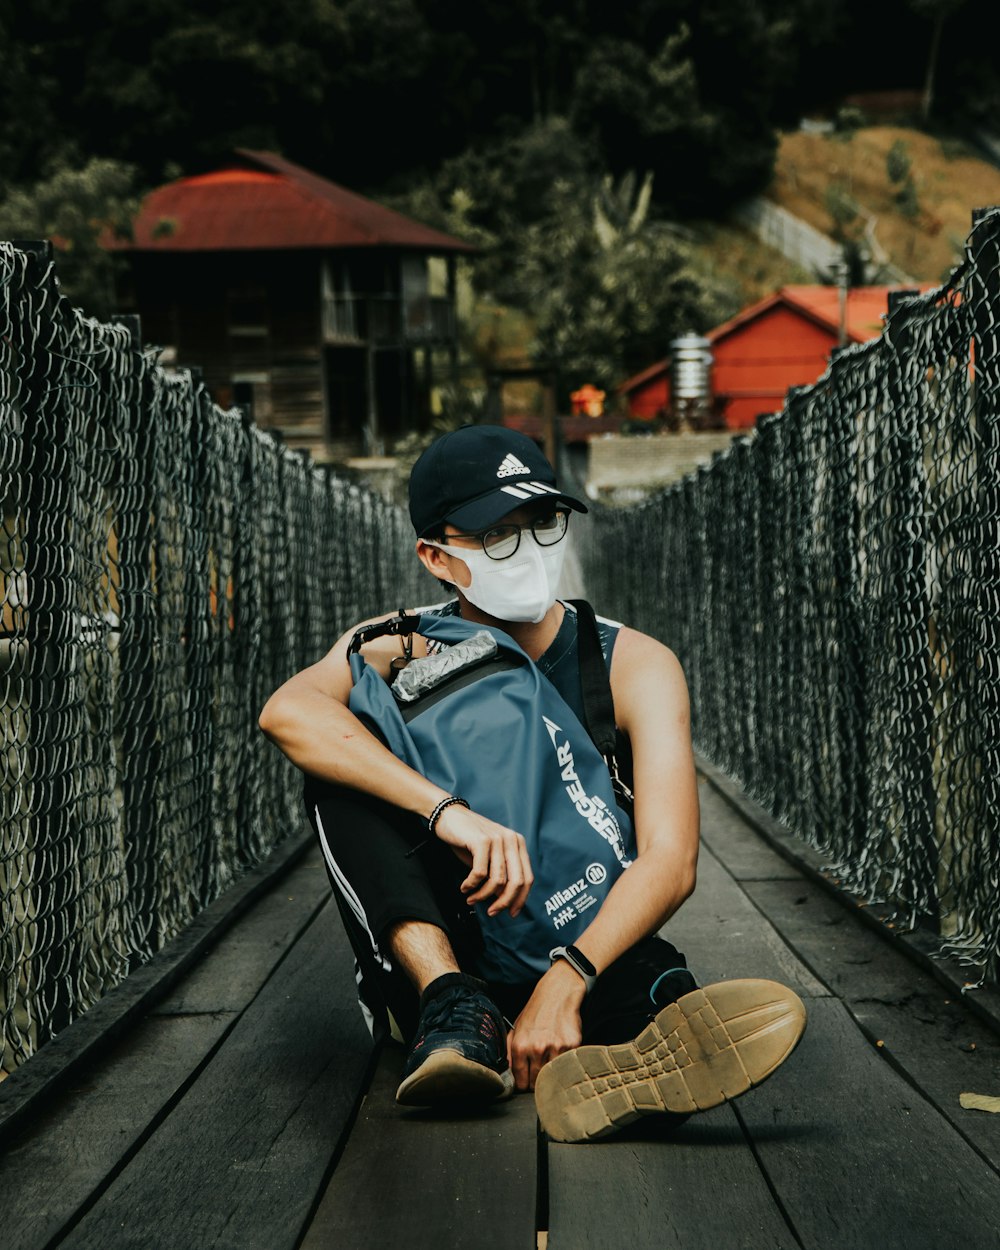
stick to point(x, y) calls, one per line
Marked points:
point(582, 960)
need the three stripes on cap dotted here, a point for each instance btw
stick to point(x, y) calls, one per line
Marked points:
point(525, 490)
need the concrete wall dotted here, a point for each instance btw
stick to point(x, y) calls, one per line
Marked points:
point(622, 468)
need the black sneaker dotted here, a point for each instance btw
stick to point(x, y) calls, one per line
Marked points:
point(460, 1048)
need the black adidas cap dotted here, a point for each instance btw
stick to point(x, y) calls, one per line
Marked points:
point(477, 474)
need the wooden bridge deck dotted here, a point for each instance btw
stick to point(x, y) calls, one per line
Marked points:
point(246, 1110)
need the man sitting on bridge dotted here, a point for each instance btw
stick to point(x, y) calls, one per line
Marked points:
point(615, 1028)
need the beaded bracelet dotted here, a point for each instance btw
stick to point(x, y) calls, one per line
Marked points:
point(451, 801)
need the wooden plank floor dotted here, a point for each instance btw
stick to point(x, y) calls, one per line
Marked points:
point(248, 1110)
point(470, 1169)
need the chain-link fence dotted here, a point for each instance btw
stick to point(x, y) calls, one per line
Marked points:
point(831, 586)
point(163, 567)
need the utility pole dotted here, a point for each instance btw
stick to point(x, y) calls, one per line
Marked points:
point(842, 274)
point(549, 418)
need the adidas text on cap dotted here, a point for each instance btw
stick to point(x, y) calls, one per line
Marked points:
point(477, 474)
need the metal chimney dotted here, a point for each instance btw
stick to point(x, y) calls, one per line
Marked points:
point(691, 380)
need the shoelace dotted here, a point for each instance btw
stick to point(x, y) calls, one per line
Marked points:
point(456, 1010)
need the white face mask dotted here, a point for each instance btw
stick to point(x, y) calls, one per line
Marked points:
point(520, 588)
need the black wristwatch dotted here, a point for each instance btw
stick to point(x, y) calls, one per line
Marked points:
point(578, 961)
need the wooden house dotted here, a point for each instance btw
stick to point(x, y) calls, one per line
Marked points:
point(330, 314)
point(784, 340)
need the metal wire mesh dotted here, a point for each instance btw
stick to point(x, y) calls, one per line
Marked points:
point(164, 566)
point(832, 586)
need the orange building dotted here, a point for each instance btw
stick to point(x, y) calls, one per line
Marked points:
point(782, 341)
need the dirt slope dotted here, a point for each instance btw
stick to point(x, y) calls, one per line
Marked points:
point(926, 236)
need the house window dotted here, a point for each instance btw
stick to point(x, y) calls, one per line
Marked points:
point(414, 270)
point(340, 308)
point(417, 320)
point(437, 277)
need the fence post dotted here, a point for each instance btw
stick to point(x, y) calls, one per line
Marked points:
point(136, 710)
point(49, 631)
point(247, 628)
point(984, 249)
point(797, 558)
point(774, 758)
point(846, 660)
point(905, 786)
point(198, 665)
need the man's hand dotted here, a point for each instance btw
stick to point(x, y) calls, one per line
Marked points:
point(548, 1025)
point(497, 857)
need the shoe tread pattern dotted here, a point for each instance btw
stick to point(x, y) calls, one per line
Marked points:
point(693, 1056)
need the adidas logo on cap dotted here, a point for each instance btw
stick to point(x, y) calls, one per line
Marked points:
point(511, 466)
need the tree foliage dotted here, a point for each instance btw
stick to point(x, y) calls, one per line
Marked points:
point(608, 284)
point(76, 208)
point(497, 121)
point(376, 91)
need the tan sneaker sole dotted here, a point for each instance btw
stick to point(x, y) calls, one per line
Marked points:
point(711, 1045)
point(447, 1076)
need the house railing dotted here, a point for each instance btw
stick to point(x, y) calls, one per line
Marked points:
point(832, 586)
point(388, 320)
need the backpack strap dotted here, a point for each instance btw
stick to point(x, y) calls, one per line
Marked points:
point(400, 625)
point(598, 703)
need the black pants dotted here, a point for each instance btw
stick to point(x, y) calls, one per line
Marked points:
point(385, 869)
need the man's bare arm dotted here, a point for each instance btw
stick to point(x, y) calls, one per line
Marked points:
point(651, 705)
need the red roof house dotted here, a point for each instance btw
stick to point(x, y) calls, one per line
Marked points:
point(319, 307)
point(784, 340)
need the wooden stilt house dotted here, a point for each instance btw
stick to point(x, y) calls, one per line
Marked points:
point(330, 314)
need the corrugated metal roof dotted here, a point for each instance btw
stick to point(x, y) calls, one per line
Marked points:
point(267, 202)
point(866, 305)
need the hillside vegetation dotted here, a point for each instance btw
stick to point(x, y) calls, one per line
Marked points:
point(916, 189)
point(920, 189)
point(750, 269)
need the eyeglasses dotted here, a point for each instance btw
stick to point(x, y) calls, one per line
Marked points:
point(502, 541)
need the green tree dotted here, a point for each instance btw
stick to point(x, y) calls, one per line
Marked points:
point(23, 131)
point(899, 169)
point(688, 91)
point(171, 81)
point(76, 208)
point(491, 192)
point(608, 284)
